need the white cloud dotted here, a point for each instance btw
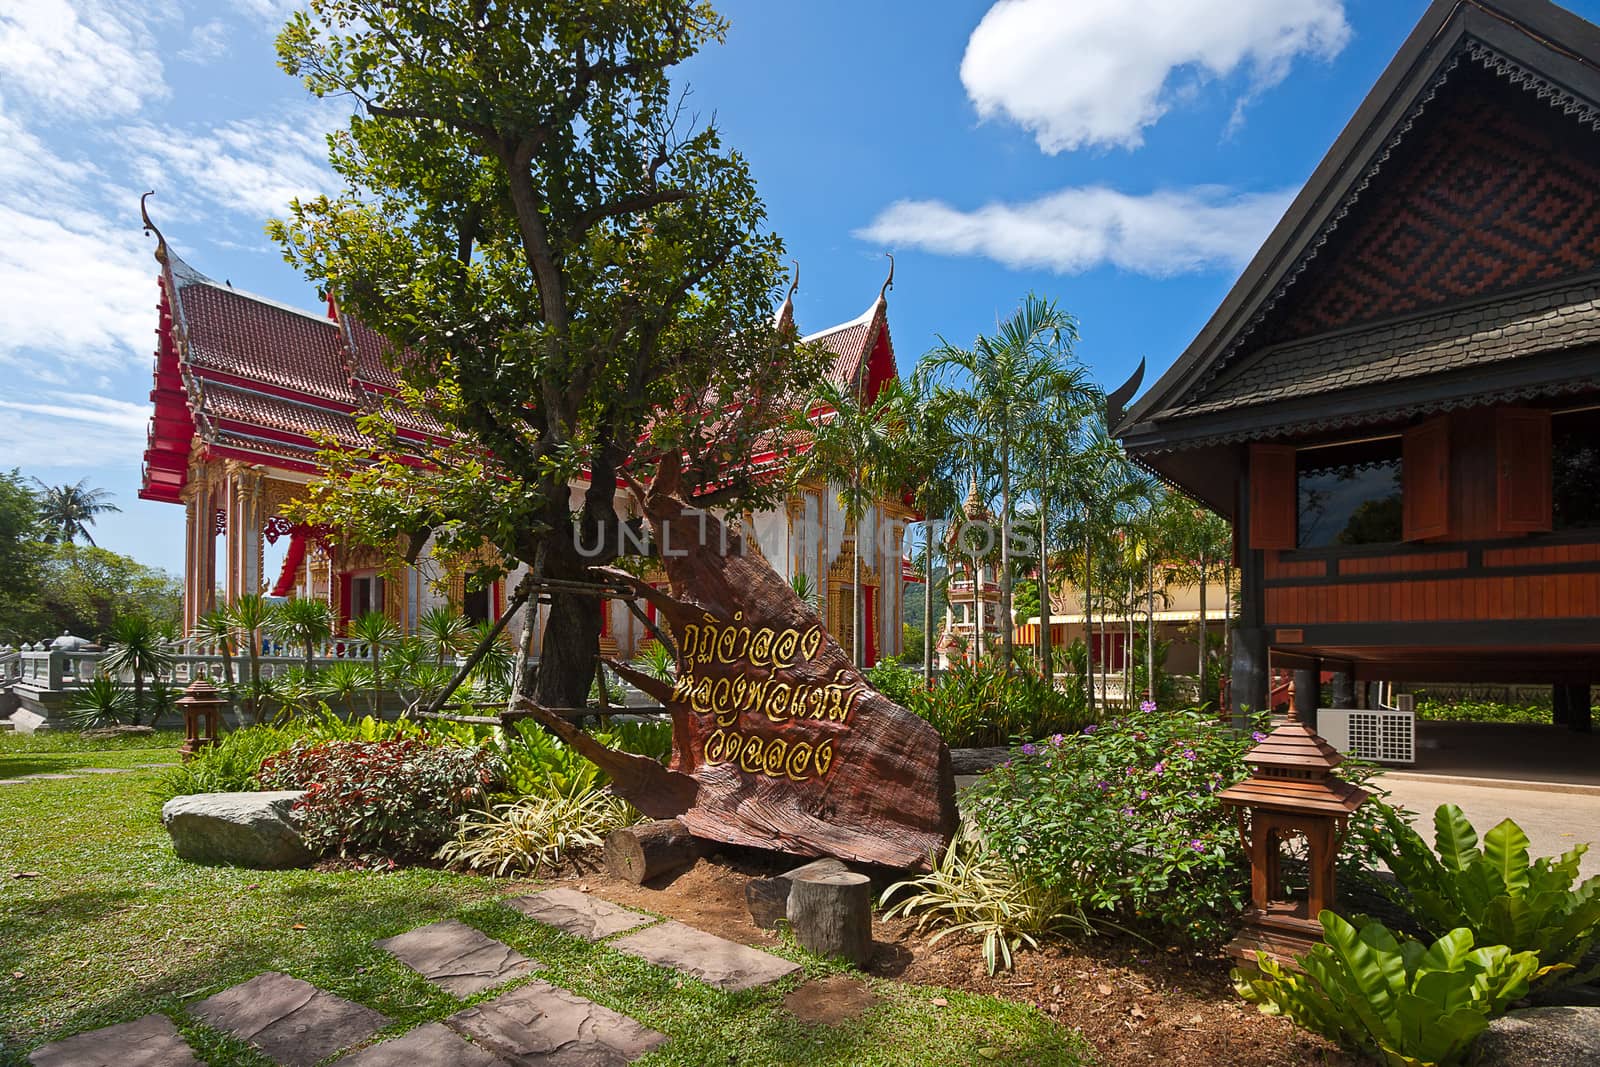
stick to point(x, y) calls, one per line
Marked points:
point(207, 42)
point(71, 430)
point(251, 166)
point(1074, 230)
point(82, 59)
point(1078, 73)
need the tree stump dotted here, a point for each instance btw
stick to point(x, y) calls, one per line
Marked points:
point(638, 853)
point(768, 898)
point(831, 913)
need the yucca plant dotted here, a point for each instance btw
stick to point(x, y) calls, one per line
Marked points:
point(654, 659)
point(1496, 891)
point(247, 615)
point(805, 587)
point(444, 631)
point(302, 622)
point(215, 628)
point(342, 682)
point(104, 701)
point(972, 890)
point(137, 648)
point(492, 676)
point(377, 631)
point(536, 832)
point(1403, 1002)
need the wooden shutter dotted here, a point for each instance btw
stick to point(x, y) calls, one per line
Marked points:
point(1425, 480)
point(1522, 462)
point(1272, 497)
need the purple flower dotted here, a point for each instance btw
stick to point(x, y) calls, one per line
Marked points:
point(1105, 787)
point(1091, 728)
point(1197, 845)
point(1029, 749)
point(1144, 794)
point(1127, 811)
point(1057, 739)
point(1147, 705)
point(1160, 767)
point(1257, 736)
point(1188, 754)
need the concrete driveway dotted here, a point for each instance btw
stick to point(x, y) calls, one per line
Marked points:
point(1553, 821)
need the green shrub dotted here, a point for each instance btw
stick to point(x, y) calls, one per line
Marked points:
point(1483, 711)
point(1122, 818)
point(973, 890)
point(985, 704)
point(232, 765)
point(536, 832)
point(394, 799)
point(899, 683)
point(1408, 1004)
point(104, 701)
point(1496, 892)
point(652, 738)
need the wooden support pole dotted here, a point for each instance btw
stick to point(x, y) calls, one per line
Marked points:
point(517, 600)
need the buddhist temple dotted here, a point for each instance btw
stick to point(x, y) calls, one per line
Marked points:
point(1398, 403)
point(247, 390)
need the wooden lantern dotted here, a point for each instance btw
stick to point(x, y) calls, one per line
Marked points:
point(202, 714)
point(1291, 790)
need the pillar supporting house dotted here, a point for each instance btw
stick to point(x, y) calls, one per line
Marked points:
point(1398, 403)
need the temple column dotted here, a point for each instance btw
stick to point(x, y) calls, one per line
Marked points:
point(1307, 690)
point(245, 486)
point(1344, 689)
point(193, 518)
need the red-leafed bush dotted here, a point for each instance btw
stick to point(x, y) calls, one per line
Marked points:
point(395, 798)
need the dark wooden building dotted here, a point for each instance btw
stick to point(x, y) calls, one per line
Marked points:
point(1398, 403)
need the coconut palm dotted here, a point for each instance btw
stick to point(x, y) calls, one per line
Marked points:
point(928, 453)
point(248, 615)
point(303, 622)
point(999, 387)
point(377, 631)
point(67, 511)
point(137, 648)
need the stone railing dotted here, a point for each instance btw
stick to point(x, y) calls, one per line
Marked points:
point(10, 665)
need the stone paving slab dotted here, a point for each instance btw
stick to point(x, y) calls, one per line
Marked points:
point(712, 959)
point(13, 781)
point(293, 1022)
point(105, 770)
point(578, 914)
point(429, 1045)
point(458, 958)
point(148, 1042)
point(542, 1025)
point(49, 777)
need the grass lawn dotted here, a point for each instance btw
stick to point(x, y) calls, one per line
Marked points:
point(113, 927)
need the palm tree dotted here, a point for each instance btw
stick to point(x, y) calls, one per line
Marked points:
point(851, 448)
point(304, 622)
point(375, 630)
point(67, 511)
point(1003, 382)
point(928, 451)
point(248, 615)
point(444, 631)
point(216, 628)
point(342, 681)
point(136, 646)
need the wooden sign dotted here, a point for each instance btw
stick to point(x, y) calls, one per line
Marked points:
point(778, 741)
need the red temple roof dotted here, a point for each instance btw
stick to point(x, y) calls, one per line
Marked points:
point(244, 377)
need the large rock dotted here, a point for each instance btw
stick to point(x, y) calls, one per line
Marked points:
point(1542, 1037)
point(244, 829)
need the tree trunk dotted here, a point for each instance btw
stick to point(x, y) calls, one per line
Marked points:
point(1127, 647)
point(310, 657)
point(138, 695)
point(831, 914)
point(927, 605)
point(567, 656)
point(1150, 632)
point(1046, 667)
point(638, 853)
point(1006, 622)
point(1088, 608)
point(1204, 674)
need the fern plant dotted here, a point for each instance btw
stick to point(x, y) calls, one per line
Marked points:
point(1495, 891)
point(1406, 1003)
point(973, 890)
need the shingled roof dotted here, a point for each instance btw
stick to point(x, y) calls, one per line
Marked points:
point(241, 376)
point(1450, 236)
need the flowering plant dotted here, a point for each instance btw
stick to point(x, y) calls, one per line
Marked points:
point(1123, 818)
point(382, 798)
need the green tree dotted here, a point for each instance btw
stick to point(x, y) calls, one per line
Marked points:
point(304, 622)
point(67, 511)
point(928, 455)
point(21, 562)
point(138, 648)
point(216, 628)
point(86, 589)
point(999, 387)
point(579, 278)
point(444, 631)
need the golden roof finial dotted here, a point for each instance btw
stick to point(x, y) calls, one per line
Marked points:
point(150, 227)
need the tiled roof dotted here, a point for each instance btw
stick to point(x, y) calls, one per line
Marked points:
point(1472, 336)
point(851, 343)
point(260, 341)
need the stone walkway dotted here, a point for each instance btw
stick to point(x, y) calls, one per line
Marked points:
point(79, 772)
point(534, 1024)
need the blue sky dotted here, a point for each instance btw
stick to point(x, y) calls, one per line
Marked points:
point(1123, 156)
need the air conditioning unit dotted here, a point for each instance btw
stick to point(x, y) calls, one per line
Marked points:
point(1380, 735)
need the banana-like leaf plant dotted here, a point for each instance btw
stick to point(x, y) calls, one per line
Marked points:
point(1496, 891)
point(1403, 1002)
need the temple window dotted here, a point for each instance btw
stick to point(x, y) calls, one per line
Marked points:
point(1575, 469)
point(366, 594)
point(1348, 494)
point(475, 604)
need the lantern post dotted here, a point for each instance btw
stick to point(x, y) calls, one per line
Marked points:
point(202, 708)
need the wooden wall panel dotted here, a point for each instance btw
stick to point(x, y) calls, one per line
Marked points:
point(1541, 554)
point(1422, 561)
point(1527, 596)
point(1472, 476)
point(1522, 446)
point(1425, 479)
point(1273, 522)
point(1275, 566)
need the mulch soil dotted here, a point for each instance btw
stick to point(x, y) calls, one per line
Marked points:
point(1135, 1002)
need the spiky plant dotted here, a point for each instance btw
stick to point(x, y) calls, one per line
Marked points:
point(444, 631)
point(248, 615)
point(136, 647)
point(303, 622)
point(378, 632)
